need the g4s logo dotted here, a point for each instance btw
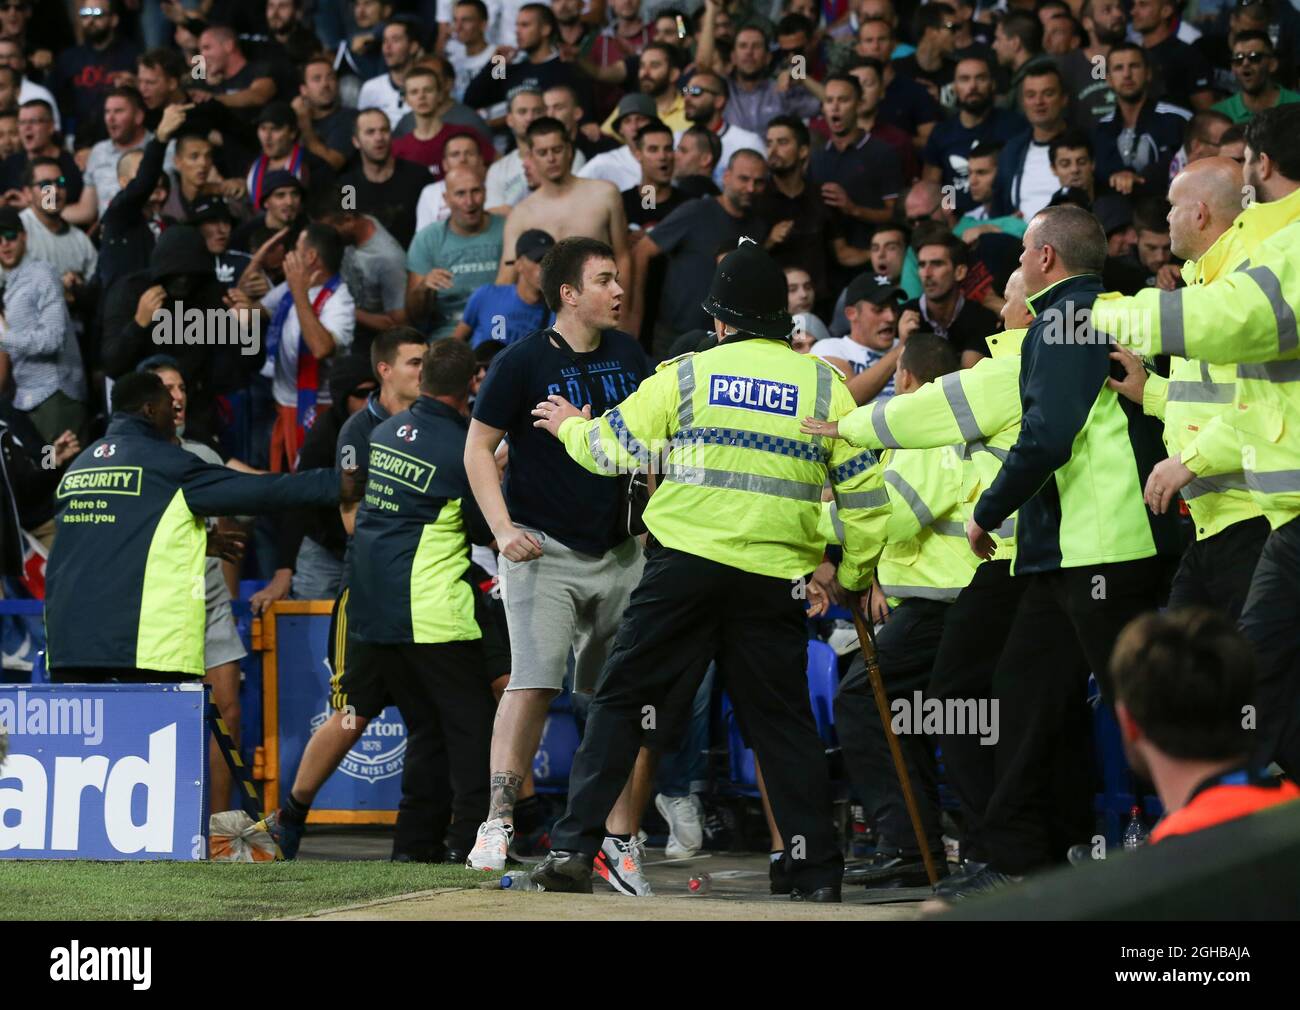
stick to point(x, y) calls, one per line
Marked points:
point(104, 451)
point(407, 433)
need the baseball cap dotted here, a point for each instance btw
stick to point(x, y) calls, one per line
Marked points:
point(1071, 195)
point(534, 243)
point(875, 289)
point(636, 102)
point(10, 221)
point(278, 113)
point(211, 208)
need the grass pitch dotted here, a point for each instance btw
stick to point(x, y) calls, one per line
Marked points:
point(80, 890)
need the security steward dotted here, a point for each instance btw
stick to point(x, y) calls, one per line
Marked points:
point(925, 564)
point(1088, 548)
point(131, 542)
point(979, 408)
point(1248, 318)
point(412, 604)
point(1195, 403)
point(735, 521)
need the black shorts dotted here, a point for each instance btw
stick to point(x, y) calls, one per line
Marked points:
point(361, 684)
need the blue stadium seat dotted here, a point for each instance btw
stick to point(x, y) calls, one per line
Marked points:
point(554, 758)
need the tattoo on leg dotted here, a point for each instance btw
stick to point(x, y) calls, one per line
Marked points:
point(505, 791)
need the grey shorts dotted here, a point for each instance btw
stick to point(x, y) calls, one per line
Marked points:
point(561, 601)
point(221, 641)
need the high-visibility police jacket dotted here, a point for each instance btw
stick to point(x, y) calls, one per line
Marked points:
point(1077, 471)
point(1193, 397)
point(410, 551)
point(739, 483)
point(1246, 317)
point(125, 582)
point(978, 407)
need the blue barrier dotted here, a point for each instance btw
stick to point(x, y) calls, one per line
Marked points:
point(104, 771)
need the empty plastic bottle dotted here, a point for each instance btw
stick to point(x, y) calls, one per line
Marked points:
point(700, 884)
point(1135, 835)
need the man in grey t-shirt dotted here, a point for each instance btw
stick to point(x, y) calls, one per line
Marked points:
point(374, 269)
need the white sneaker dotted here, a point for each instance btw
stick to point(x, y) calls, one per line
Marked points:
point(619, 864)
point(491, 846)
point(685, 830)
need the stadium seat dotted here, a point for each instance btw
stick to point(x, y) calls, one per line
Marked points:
point(554, 758)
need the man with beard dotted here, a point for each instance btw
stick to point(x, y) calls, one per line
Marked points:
point(706, 101)
point(1181, 74)
point(537, 64)
point(180, 278)
point(872, 346)
point(755, 97)
point(1137, 142)
point(1092, 99)
point(657, 78)
point(385, 186)
point(794, 212)
point(690, 238)
point(281, 210)
point(124, 120)
point(695, 160)
point(977, 122)
point(158, 75)
point(324, 123)
point(282, 150)
point(936, 42)
point(942, 261)
point(84, 74)
point(1254, 64)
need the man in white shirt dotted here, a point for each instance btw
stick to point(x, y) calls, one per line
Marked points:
point(706, 99)
point(401, 49)
point(460, 151)
point(124, 121)
point(49, 236)
point(468, 48)
point(869, 354)
point(312, 317)
point(506, 182)
point(13, 56)
point(620, 166)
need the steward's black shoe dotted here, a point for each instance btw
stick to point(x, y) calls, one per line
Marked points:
point(564, 871)
point(822, 895)
point(890, 869)
point(778, 875)
point(985, 881)
point(959, 878)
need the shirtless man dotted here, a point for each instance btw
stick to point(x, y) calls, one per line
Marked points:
point(564, 205)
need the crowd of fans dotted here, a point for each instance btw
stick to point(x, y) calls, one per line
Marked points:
point(246, 193)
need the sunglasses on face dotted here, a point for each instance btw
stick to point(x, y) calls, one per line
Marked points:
point(5, 234)
point(1252, 58)
point(694, 90)
point(92, 12)
point(61, 182)
point(950, 26)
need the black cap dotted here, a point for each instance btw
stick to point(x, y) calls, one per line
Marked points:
point(10, 221)
point(534, 243)
point(748, 293)
point(347, 373)
point(1070, 195)
point(874, 288)
point(1114, 212)
point(211, 208)
point(278, 180)
point(278, 113)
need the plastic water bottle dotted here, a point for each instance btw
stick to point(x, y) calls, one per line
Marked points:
point(700, 884)
point(1135, 835)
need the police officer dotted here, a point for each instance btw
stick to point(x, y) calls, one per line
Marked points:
point(130, 544)
point(1248, 317)
point(735, 519)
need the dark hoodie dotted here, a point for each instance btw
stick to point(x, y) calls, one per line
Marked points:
point(181, 263)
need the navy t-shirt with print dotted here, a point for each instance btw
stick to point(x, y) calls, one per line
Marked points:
point(544, 488)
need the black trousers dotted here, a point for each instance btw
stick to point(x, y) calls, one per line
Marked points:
point(1066, 625)
point(685, 611)
point(1270, 620)
point(443, 685)
point(905, 648)
point(1217, 572)
point(118, 675)
point(975, 630)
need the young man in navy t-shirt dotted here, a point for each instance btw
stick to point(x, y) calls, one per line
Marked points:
point(568, 562)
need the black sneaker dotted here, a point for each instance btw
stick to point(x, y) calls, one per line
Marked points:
point(823, 895)
point(564, 871)
point(958, 878)
point(986, 881)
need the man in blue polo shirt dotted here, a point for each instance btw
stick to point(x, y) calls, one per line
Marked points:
point(509, 312)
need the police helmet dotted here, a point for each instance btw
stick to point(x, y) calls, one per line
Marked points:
point(749, 293)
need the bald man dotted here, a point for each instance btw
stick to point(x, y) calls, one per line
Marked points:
point(1196, 404)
